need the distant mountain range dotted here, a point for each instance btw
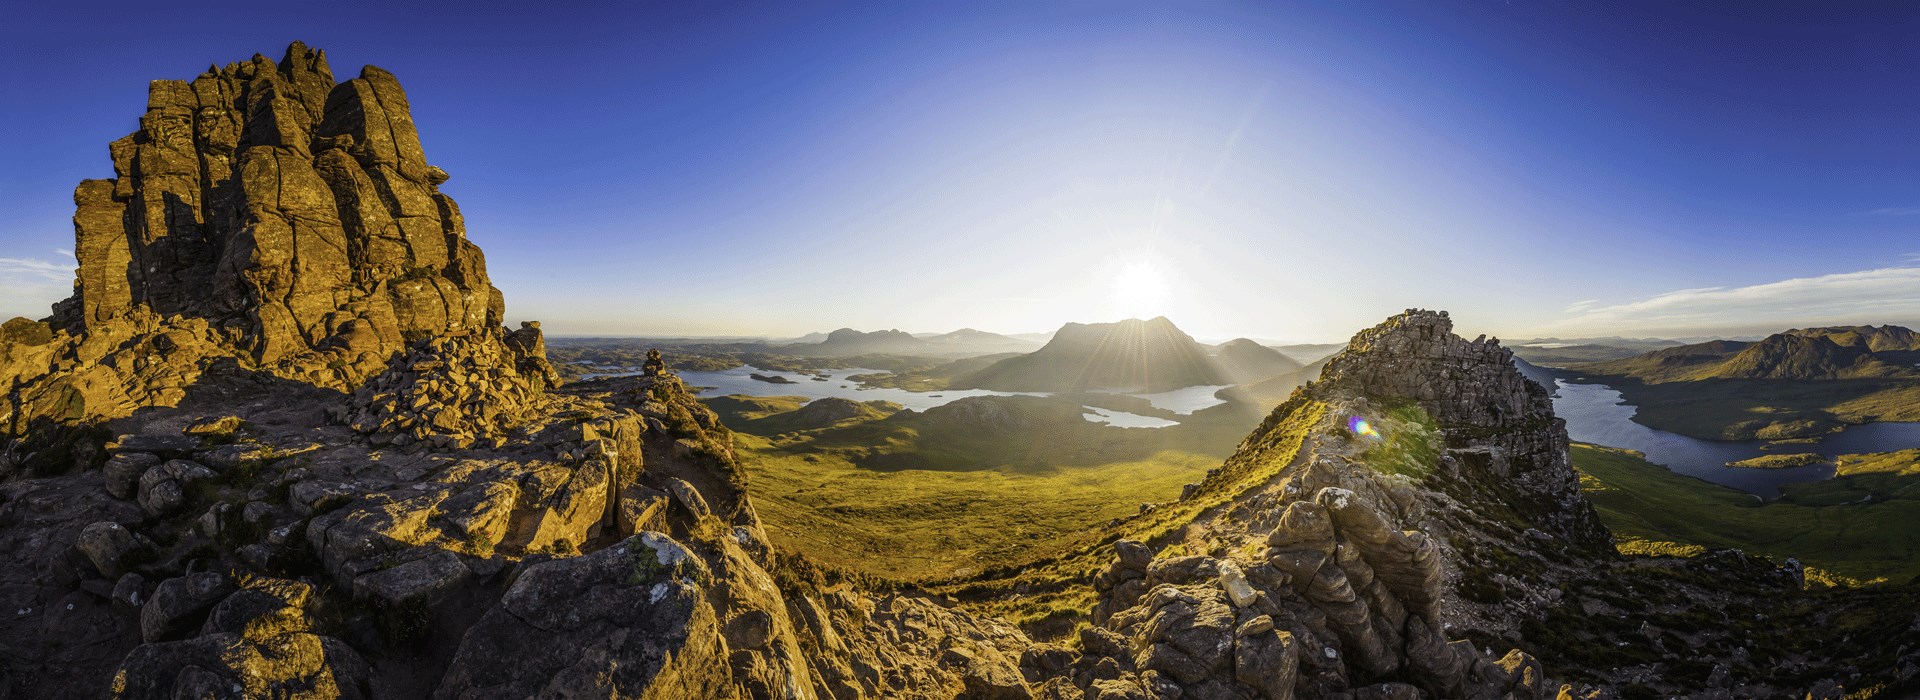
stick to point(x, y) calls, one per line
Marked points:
point(847, 342)
point(1560, 352)
point(1836, 352)
point(1131, 355)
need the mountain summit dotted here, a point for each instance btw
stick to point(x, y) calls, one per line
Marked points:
point(1131, 355)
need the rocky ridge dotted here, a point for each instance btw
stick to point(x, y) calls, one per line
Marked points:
point(1338, 577)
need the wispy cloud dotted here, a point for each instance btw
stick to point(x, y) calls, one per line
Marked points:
point(1894, 211)
point(28, 286)
point(1582, 305)
point(1887, 295)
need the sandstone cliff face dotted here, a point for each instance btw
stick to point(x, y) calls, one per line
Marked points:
point(265, 212)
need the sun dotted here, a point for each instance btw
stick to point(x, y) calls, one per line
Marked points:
point(1139, 290)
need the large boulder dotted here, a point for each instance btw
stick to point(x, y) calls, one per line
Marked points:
point(630, 617)
point(257, 642)
point(179, 605)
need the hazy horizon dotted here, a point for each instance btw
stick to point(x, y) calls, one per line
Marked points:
point(1289, 172)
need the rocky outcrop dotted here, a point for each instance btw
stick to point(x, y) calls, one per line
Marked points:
point(262, 211)
point(294, 213)
point(1501, 442)
point(1340, 573)
point(256, 641)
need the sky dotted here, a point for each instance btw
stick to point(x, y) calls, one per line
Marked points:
point(1281, 170)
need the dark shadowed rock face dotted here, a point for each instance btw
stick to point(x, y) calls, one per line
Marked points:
point(294, 213)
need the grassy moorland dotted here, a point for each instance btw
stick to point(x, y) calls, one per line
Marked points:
point(1009, 494)
point(1824, 525)
point(919, 496)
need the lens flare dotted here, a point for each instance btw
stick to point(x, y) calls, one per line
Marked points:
point(1359, 426)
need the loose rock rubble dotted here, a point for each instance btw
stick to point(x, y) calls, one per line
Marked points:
point(454, 390)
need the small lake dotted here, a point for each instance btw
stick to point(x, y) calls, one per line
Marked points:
point(1186, 401)
point(835, 383)
point(1595, 414)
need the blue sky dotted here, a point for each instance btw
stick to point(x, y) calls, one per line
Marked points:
point(1277, 170)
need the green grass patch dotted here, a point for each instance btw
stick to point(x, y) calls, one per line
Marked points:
point(1779, 461)
point(1862, 479)
point(1642, 501)
point(1410, 442)
point(920, 524)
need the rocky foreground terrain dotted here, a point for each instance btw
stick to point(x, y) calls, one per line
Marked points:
point(279, 444)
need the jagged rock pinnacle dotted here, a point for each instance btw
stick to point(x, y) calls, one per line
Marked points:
point(1500, 432)
point(265, 215)
point(295, 214)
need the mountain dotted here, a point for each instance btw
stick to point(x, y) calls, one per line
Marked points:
point(263, 213)
point(1808, 356)
point(1847, 352)
point(1271, 391)
point(1874, 338)
point(847, 342)
point(1676, 363)
point(1131, 355)
point(1242, 361)
point(966, 342)
point(1313, 561)
point(1308, 353)
point(809, 339)
point(975, 342)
